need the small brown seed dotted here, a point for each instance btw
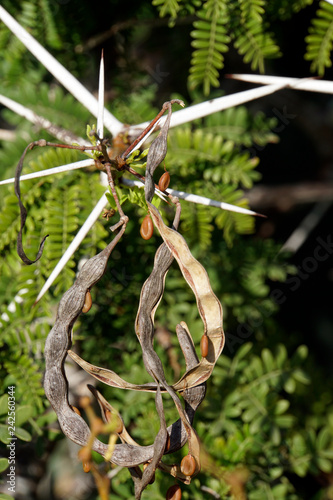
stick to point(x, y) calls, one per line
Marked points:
point(204, 345)
point(174, 493)
point(87, 302)
point(147, 228)
point(167, 444)
point(164, 181)
point(76, 410)
point(188, 465)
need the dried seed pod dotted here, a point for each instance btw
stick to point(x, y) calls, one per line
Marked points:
point(147, 228)
point(87, 302)
point(164, 181)
point(204, 345)
point(188, 465)
point(153, 478)
point(174, 493)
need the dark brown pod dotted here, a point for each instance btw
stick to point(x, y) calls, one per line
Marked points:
point(164, 181)
point(87, 302)
point(188, 465)
point(204, 345)
point(147, 228)
point(174, 493)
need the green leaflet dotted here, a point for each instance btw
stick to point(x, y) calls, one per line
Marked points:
point(320, 39)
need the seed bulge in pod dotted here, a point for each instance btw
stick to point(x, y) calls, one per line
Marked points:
point(119, 425)
point(204, 345)
point(174, 493)
point(164, 181)
point(187, 465)
point(147, 228)
point(153, 478)
point(115, 419)
point(87, 302)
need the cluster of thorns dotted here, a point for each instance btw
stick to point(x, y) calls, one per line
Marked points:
point(191, 386)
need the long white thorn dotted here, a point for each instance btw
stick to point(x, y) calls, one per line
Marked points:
point(194, 198)
point(74, 244)
point(309, 84)
point(56, 170)
point(100, 115)
point(59, 72)
point(214, 105)
point(60, 133)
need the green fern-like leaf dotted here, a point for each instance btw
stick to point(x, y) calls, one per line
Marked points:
point(320, 39)
point(232, 222)
point(255, 44)
point(51, 32)
point(27, 377)
point(167, 7)
point(210, 41)
point(197, 226)
point(240, 126)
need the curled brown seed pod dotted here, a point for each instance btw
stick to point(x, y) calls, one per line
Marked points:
point(188, 465)
point(87, 302)
point(147, 228)
point(174, 493)
point(164, 181)
point(153, 478)
point(204, 345)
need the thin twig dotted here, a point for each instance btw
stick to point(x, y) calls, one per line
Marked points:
point(97, 40)
point(148, 129)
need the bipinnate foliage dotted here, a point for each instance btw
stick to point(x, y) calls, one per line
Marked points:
point(320, 39)
point(259, 387)
point(246, 24)
point(268, 419)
